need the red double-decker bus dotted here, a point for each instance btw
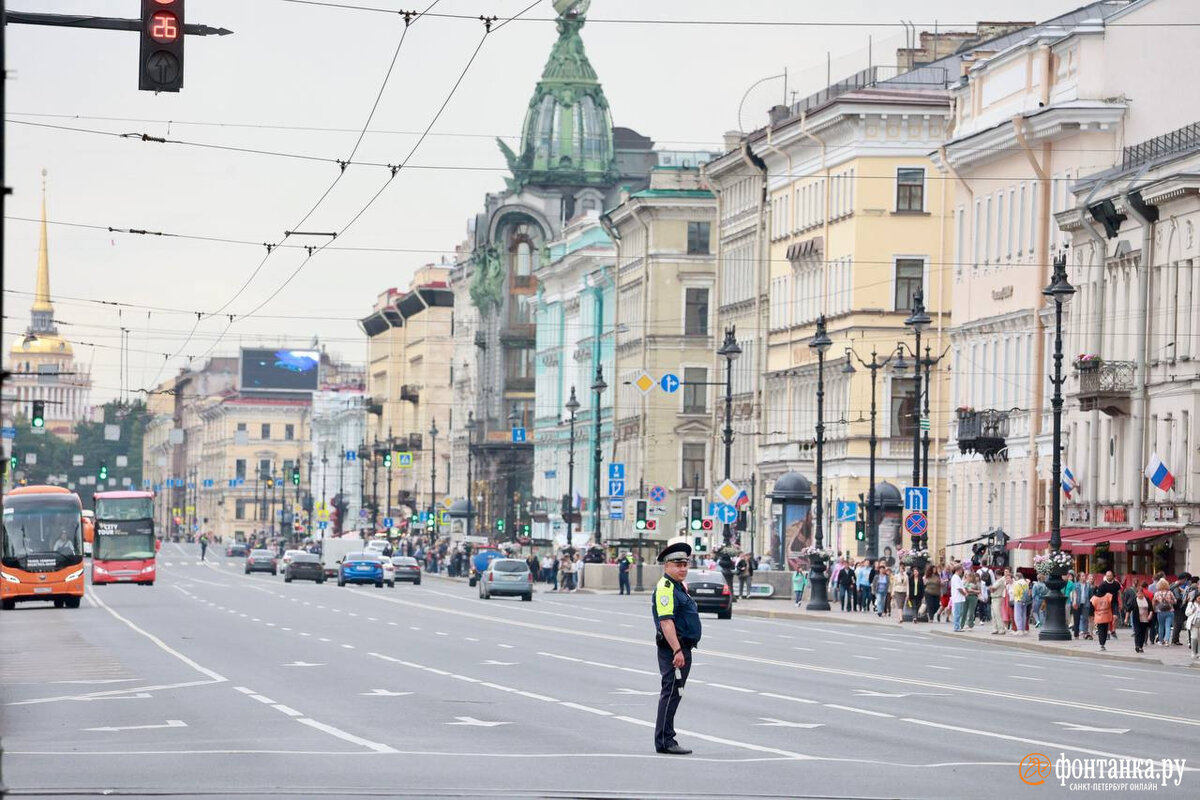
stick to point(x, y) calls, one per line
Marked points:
point(41, 547)
point(124, 547)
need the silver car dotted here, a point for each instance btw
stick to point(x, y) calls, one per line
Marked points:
point(506, 576)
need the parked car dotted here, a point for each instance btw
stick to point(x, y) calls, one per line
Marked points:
point(407, 569)
point(506, 576)
point(711, 592)
point(262, 561)
point(359, 567)
point(236, 550)
point(288, 555)
point(305, 566)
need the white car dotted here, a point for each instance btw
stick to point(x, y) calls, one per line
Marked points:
point(376, 546)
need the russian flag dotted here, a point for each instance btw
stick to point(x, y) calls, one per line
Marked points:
point(1158, 473)
point(1069, 484)
point(741, 500)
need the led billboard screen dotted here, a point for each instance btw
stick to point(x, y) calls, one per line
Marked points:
point(280, 370)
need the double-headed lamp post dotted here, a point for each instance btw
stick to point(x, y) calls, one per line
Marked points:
point(729, 351)
point(1055, 626)
point(819, 600)
point(569, 501)
point(918, 321)
point(471, 424)
point(598, 388)
point(874, 366)
point(433, 432)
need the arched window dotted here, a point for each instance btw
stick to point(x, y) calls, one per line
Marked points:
point(524, 259)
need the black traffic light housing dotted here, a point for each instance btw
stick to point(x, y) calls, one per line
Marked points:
point(160, 62)
point(102, 472)
point(295, 476)
point(387, 459)
point(695, 512)
point(639, 517)
point(38, 418)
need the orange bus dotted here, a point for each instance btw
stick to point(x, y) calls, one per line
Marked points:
point(41, 547)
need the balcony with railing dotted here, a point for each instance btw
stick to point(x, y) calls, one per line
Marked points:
point(1105, 385)
point(983, 432)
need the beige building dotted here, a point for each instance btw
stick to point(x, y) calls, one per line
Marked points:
point(665, 283)
point(409, 379)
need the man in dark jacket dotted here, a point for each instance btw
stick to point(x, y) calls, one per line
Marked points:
point(1178, 588)
point(725, 562)
point(1111, 587)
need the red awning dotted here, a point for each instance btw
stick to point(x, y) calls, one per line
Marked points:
point(1118, 543)
point(1041, 541)
point(1085, 541)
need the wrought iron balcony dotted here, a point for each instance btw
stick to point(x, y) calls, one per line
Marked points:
point(984, 432)
point(1105, 385)
point(519, 334)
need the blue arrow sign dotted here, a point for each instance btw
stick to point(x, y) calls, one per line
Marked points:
point(616, 488)
point(669, 383)
point(847, 510)
point(916, 498)
point(616, 471)
point(725, 513)
point(351, 455)
point(388, 522)
point(518, 435)
point(8, 432)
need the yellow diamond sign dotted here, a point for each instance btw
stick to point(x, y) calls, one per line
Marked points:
point(644, 383)
point(728, 491)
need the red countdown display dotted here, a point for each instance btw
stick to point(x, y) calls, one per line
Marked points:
point(162, 35)
point(164, 27)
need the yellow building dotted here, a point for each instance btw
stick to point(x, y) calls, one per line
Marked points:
point(856, 229)
point(42, 363)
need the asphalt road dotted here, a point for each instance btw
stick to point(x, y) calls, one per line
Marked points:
point(215, 683)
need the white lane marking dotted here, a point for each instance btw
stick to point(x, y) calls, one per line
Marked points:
point(535, 696)
point(392, 623)
point(721, 740)
point(264, 700)
point(937, 666)
point(507, 646)
point(1072, 726)
point(384, 693)
point(868, 658)
point(859, 710)
point(730, 688)
point(302, 633)
point(171, 723)
point(243, 690)
point(599, 711)
point(208, 673)
point(1118, 677)
point(749, 641)
point(771, 722)
point(1134, 691)
point(413, 628)
point(774, 696)
point(101, 680)
point(873, 693)
point(323, 639)
point(805, 649)
point(348, 646)
point(623, 690)
point(960, 658)
point(372, 619)
point(440, 633)
point(494, 663)
point(347, 737)
point(285, 629)
point(471, 639)
point(466, 678)
point(138, 696)
point(478, 723)
point(1028, 666)
point(1025, 678)
point(291, 712)
point(302, 664)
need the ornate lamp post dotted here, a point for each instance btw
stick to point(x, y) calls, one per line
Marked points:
point(471, 424)
point(433, 432)
point(819, 601)
point(569, 500)
point(729, 351)
point(598, 387)
point(1055, 627)
point(874, 366)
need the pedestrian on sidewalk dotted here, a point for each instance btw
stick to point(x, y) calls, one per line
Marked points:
point(1178, 589)
point(799, 583)
point(972, 590)
point(881, 589)
point(1164, 609)
point(996, 596)
point(743, 575)
point(1110, 588)
point(862, 574)
point(958, 598)
point(1006, 607)
point(933, 592)
point(1020, 592)
point(1038, 593)
point(1085, 605)
point(845, 582)
point(835, 580)
point(1142, 617)
point(900, 590)
point(1102, 605)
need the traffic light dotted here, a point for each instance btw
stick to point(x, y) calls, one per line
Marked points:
point(639, 519)
point(860, 530)
point(12, 463)
point(651, 524)
point(708, 524)
point(387, 459)
point(743, 521)
point(160, 67)
point(500, 525)
point(38, 420)
point(295, 476)
point(695, 512)
point(102, 473)
point(526, 529)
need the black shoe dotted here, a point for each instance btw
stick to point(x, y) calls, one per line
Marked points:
point(674, 750)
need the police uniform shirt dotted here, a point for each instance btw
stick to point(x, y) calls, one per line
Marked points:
point(671, 601)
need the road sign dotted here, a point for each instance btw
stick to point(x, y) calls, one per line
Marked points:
point(616, 488)
point(518, 435)
point(441, 516)
point(847, 510)
point(669, 383)
point(322, 525)
point(351, 455)
point(323, 514)
point(616, 471)
point(916, 498)
point(924, 423)
point(658, 494)
point(447, 502)
point(644, 383)
point(8, 432)
point(362, 513)
point(726, 513)
point(727, 492)
point(616, 508)
point(916, 523)
point(404, 459)
point(388, 522)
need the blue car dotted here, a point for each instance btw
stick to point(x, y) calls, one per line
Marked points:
point(361, 568)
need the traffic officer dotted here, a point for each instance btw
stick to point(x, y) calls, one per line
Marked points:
point(677, 622)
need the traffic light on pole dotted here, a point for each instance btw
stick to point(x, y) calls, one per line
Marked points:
point(38, 419)
point(102, 473)
point(160, 67)
point(295, 476)
point(500, 525)
point(387, 459)
point(708, 524)
point(639, 522)
point(695, 512)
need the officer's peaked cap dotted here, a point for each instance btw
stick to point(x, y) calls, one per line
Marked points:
point(677, 549)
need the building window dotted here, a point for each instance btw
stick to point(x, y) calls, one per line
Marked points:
point(266, 430)
point(697, 239)
point(904, 407)
point(693, 465)
point(264, 469)
point(910, 273)
point(239, 509)
point(695, 392)
point(910, 190)
point(239, 469)
point(289, 432)
point(241, 426)
point(695, 316)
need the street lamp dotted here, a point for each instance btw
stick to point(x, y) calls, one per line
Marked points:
point(1055, 626)
point(515, 418)
point(819, 601)
point(729, 351)
point(470, 474)
point(598, 387)
point(433, 432)
point(569, 500)
point(918, 321)
point(874, 366)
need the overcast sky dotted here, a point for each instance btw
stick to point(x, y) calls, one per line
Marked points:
point(302, 79)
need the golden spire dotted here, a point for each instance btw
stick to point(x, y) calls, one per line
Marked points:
point(41, 298)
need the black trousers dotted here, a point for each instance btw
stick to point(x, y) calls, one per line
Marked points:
point(623, 583)
point(1139, 631)
point(669, 696)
